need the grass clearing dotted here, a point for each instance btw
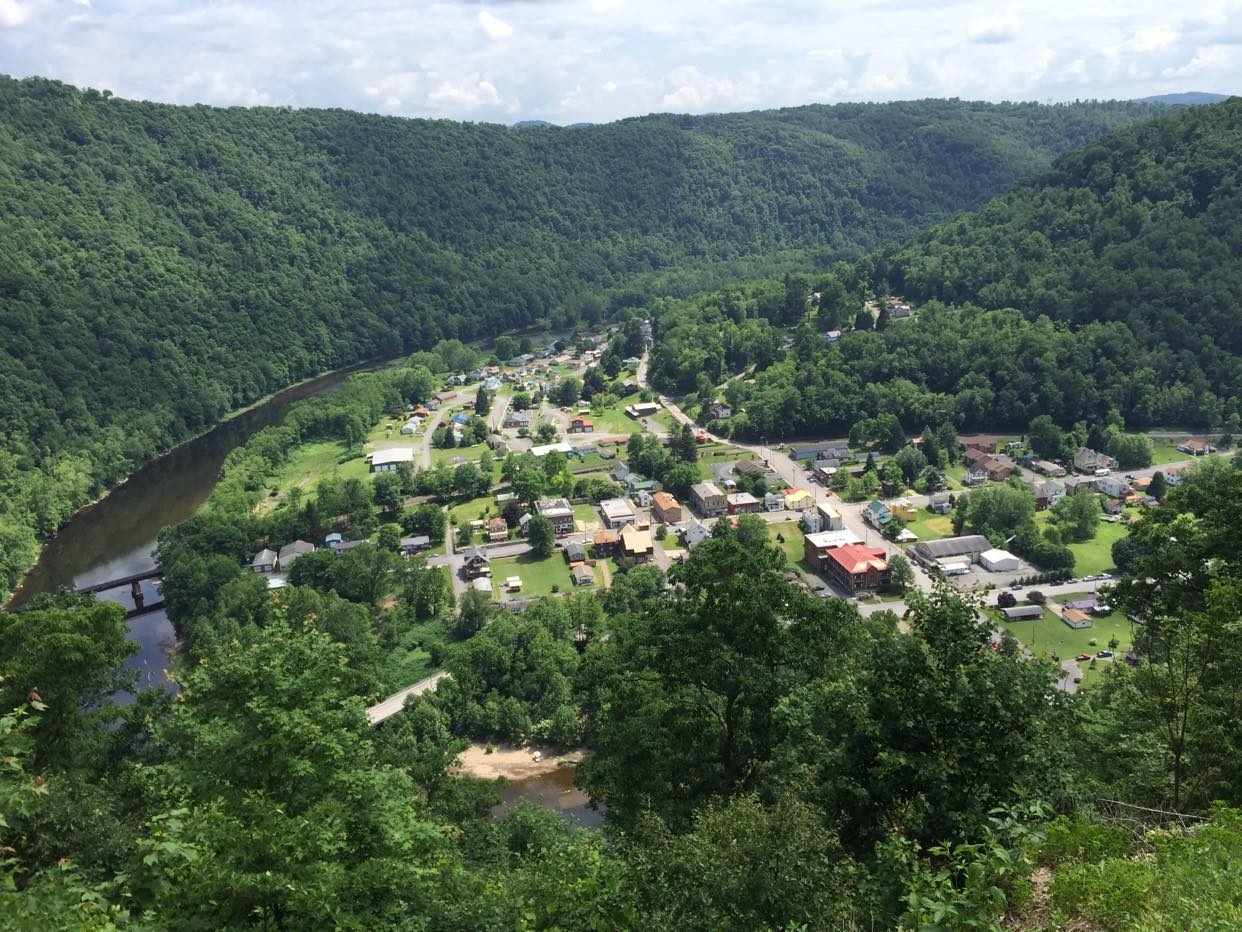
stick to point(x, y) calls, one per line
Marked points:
point(472, 510)
point(455, 455)
point(539, 575)
point(310, 462)
point(792, 544)
point(1048, 636)
point(931, 526)
point(1096, 556)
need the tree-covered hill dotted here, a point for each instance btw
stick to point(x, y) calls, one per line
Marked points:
point(160, 265)
point(1105, 290)
point(1142, 228)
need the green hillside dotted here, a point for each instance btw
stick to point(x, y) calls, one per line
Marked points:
point(1104, 289)
point(161, 266)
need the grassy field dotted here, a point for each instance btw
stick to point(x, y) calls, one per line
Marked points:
point(309, 463)
point(588, 514)
point(1049, 635)
point(792, 544)
point(538, 576)
point(1096, 556)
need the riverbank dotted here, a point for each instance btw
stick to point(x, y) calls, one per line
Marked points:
point(513, 763)
point(119, 527)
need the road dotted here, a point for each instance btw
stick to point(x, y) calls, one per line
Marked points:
point(389, 707)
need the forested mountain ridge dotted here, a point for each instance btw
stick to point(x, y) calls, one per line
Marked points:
point(1105, 289)
point(161, 266)
point(1140, 228)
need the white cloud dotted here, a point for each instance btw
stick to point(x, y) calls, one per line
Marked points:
point(13, 13)
point(595, 60)
point(493, 25)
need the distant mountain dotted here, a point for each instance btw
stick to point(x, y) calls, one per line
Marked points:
point(1187, 99)
point(531, 124)
point(161, 266)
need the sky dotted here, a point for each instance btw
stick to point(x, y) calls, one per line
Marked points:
point(569, 61)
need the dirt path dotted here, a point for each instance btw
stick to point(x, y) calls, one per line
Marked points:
point(512, 763)
point(605, 574)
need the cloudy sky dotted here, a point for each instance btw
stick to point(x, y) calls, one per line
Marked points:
point(597, 60)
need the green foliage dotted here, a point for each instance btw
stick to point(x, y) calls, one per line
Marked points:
point(542, 536)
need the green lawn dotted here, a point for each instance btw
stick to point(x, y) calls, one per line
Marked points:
point(931, 526)
point(1096, 556)
point(1049, 635)
point(473, 509)
point(538, 575)
point(614, 420)
point(587, 513)
point(793, 540)
point(1163, 452)
point(468, 454)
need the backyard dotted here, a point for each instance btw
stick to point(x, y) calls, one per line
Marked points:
point(1048, 635)
point(539, 576)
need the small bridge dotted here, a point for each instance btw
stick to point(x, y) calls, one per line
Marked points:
point(130, 580)
point(382, 711)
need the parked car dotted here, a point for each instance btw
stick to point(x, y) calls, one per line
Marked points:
point(1016, 586)
point(1104, 654)
point(1082, 657)
point(1105, 576)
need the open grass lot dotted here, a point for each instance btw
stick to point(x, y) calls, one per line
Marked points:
point(538, 575)
point(792, 545)
point(1049, 635)
point(1096, 556)
point(588, 514)
point(472, 510)
point(614, 420)
point(931, 526)
point(450, 456)
point(1163, 452)
point(311, 462)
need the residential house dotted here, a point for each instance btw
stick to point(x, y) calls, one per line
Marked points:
point(1196, 447)
point(749, 468)
point(492, 384)
point(666, 508)
point(631, 362)
point(877, 515)
point(390, 460)
point(413, 545)
point(410, 427)
point(708, 499)
point(1076, 619)
point(617, 512)
point(983, 443)
point(575, 552)
point(1047, 493)
point(825, 469)
point(289, 553)
point(1113, 506)
point(742, 503)
point(264, 561)
point(974, 475)
point(516, 419)
point(582, 575)
point(798, 499)
point(1084, 604)
point(605, 543)
point(636, 544)
point(940, 503)
point(543, 450)
point(719, 411)
point(1087, 461)
point(559, 512)
point(857, 567)
point(581, 425)
point(1173, 475)
point(774, 501)
point(333, 540)
point(1114, 487)
point(902, 508)
point(1048, 468)
point(476, 563)
point(694, 533)
point(620, 472)
point(832, 336)
point(497, 530)
point(898, 310)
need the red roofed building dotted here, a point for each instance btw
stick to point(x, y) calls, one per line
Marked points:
point(857, 567)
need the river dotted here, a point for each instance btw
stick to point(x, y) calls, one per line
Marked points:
point(115, 536)
point(554, 790)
